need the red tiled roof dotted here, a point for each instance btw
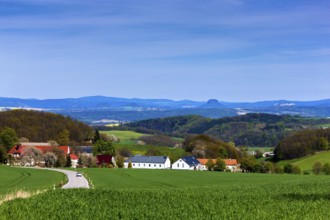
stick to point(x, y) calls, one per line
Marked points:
point(74, 157)
point(228, 162)
point(18, 149)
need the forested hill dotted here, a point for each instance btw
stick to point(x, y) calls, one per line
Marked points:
point(247, 130)
point(43, 126)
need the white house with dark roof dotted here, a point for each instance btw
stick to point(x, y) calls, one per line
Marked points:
point(148, 162)
point(187, 163)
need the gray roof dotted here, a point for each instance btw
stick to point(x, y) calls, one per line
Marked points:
point(190, 160)
point(147, 159)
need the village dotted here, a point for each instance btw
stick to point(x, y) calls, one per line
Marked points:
point(45, 155)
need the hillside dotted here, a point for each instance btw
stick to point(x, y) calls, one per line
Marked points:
point(306, 163)
point(261, 130)
point(43, 126)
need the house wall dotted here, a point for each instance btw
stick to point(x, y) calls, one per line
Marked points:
point(74, 163)
point(165, 165)
point(232, 168)
point(181, 165)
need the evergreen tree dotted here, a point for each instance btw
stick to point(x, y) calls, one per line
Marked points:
point(68, 161)
point(97, 136)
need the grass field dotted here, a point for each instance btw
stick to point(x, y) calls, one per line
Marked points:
point(126, 137)
point(128, 141)
point(168, 194)
point(13, 179)
point(306, 163)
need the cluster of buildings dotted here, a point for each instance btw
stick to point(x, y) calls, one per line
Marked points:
point(183, 163)
point(135, 162)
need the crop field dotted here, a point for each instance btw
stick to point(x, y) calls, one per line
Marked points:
point(13, 179)
point(168, 194)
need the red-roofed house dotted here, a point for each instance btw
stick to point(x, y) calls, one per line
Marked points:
point(231, 164)
point(74, 160)
point(17, 150)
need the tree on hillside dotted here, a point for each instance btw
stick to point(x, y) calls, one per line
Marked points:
point(103, 148)
point(8, 138)
point(63, 137)
point(296, 170)
point(97, 136)
point(288, 168)
point(317, 168)
point(326, 168)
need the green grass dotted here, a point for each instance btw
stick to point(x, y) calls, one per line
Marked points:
point(124, 135)
point(128, 140)
point(13, 179)
point(306, 163)
point(169, 194)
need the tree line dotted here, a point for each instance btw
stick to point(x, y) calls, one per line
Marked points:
point(38, 126)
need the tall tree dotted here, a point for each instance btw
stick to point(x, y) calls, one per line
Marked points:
point(68, 161)
point(63, 137)
point(8, 138)
point(97, 136)
point(103, 148)
point(220, 165)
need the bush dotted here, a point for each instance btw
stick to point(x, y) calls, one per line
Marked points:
point(306, 172)
point(317, 168)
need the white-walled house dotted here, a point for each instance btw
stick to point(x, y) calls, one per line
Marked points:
point(187, 163)
point(148, 162)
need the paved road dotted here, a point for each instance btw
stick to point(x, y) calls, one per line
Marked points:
point(74, 181)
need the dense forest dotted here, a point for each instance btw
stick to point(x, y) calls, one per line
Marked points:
point(255, 129)
point(39, 126)
point(303, 143)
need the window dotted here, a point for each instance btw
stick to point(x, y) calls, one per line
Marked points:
point(178, 164)
point(182, 164)
point(154, 165)
point(160, 165)
point(144, 164)
point(149, 165)
point(133, 164)
point(139, 164)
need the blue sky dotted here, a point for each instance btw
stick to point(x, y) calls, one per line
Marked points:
point(231, 50)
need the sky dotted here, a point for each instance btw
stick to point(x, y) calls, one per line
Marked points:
point(230, 50)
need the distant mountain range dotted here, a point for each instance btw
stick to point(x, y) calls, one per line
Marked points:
point(96, 108)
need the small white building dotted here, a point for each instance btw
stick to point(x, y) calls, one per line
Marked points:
point(187, 163)
point(148, 162)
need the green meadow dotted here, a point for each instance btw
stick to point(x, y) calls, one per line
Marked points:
point(306, 163)
point(13, 179)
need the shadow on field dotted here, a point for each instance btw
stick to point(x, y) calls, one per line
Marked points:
point(306, 197)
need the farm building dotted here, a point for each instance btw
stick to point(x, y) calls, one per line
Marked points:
point(17, 150)
point(187, 163)
point(231, 164)
point(105, 160)
point(148, 162)
point(74, 160)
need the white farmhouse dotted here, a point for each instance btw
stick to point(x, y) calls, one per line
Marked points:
point(187, 163)
point(148, 162)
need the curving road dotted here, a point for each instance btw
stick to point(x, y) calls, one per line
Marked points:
point(74, 181)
